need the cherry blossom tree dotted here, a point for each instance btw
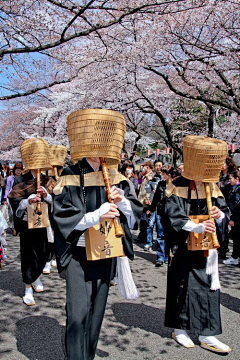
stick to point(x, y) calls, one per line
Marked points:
point(201, 49)
point(44, 43)
point(171, 67)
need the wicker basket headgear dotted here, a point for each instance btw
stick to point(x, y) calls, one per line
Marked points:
point(96, 133)
point(58, 154)
point(203, 158)
point(35, 154)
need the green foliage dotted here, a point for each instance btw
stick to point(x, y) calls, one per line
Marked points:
point(220, 120)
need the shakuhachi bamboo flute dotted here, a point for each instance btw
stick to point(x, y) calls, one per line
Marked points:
point(39, 204)
point(55, 172)
point(118, 227)
point(209, 206)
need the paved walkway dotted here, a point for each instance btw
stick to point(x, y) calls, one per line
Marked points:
point(131, 329)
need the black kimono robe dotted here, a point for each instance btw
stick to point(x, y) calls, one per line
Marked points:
point(190, 303)
point(34, 246)
point(87, 282)
point(70, 207)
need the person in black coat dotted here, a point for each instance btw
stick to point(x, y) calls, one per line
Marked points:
point(78, 206)
point(167, 174)
point(34, 246)
point(225, 187)
point(193, 287)
point(82, 206)
point(234, 205)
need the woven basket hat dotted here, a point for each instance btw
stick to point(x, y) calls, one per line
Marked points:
point(96, 133)
point(35, 154)
point(58, 154)
point(203, 158)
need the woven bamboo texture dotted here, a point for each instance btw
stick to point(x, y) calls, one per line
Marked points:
point(96, 133)
point(203, 158)
point(58, 154)
point(35, 154)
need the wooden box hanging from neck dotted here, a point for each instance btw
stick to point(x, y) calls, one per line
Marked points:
point(101, 242)
point(199, 241)
point(36, 221)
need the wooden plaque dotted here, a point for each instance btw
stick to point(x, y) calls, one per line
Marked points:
point(101, 242)
point(199, 241)
point(36, 221)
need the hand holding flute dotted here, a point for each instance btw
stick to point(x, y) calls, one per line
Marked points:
point(114, 196)
point(214, 213)
point(112, 213)
point(40, 193)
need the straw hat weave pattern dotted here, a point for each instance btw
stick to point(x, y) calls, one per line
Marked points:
point(96, 133)
point(58, 154)
point(35, 154)
point(203, 158)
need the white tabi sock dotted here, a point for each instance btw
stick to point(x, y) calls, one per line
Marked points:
point(28, 298)
point(37, 285)
point(212, 343)
point(182, 338)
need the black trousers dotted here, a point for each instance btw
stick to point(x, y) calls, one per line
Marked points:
point(87, 286)
point(34, 249)
point(51, 252)
point(142, 236)
point(190, 303)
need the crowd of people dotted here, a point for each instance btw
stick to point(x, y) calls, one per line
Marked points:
point(8, 173)
point(148, 194)
point(150, 183)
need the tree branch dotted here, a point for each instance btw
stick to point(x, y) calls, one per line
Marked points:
point(202, 97)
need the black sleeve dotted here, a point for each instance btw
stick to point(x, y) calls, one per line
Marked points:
point(236, 205)
point(222, 229)
point(68, 210)
point(176, 212)
point(220, 202)
point(129, 194)
point(156, 197)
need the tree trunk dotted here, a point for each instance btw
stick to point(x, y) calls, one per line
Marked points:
point(211, 119)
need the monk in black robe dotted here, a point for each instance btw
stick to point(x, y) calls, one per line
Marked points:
point(34, 246)
point(193, 294)
point(79, 205)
